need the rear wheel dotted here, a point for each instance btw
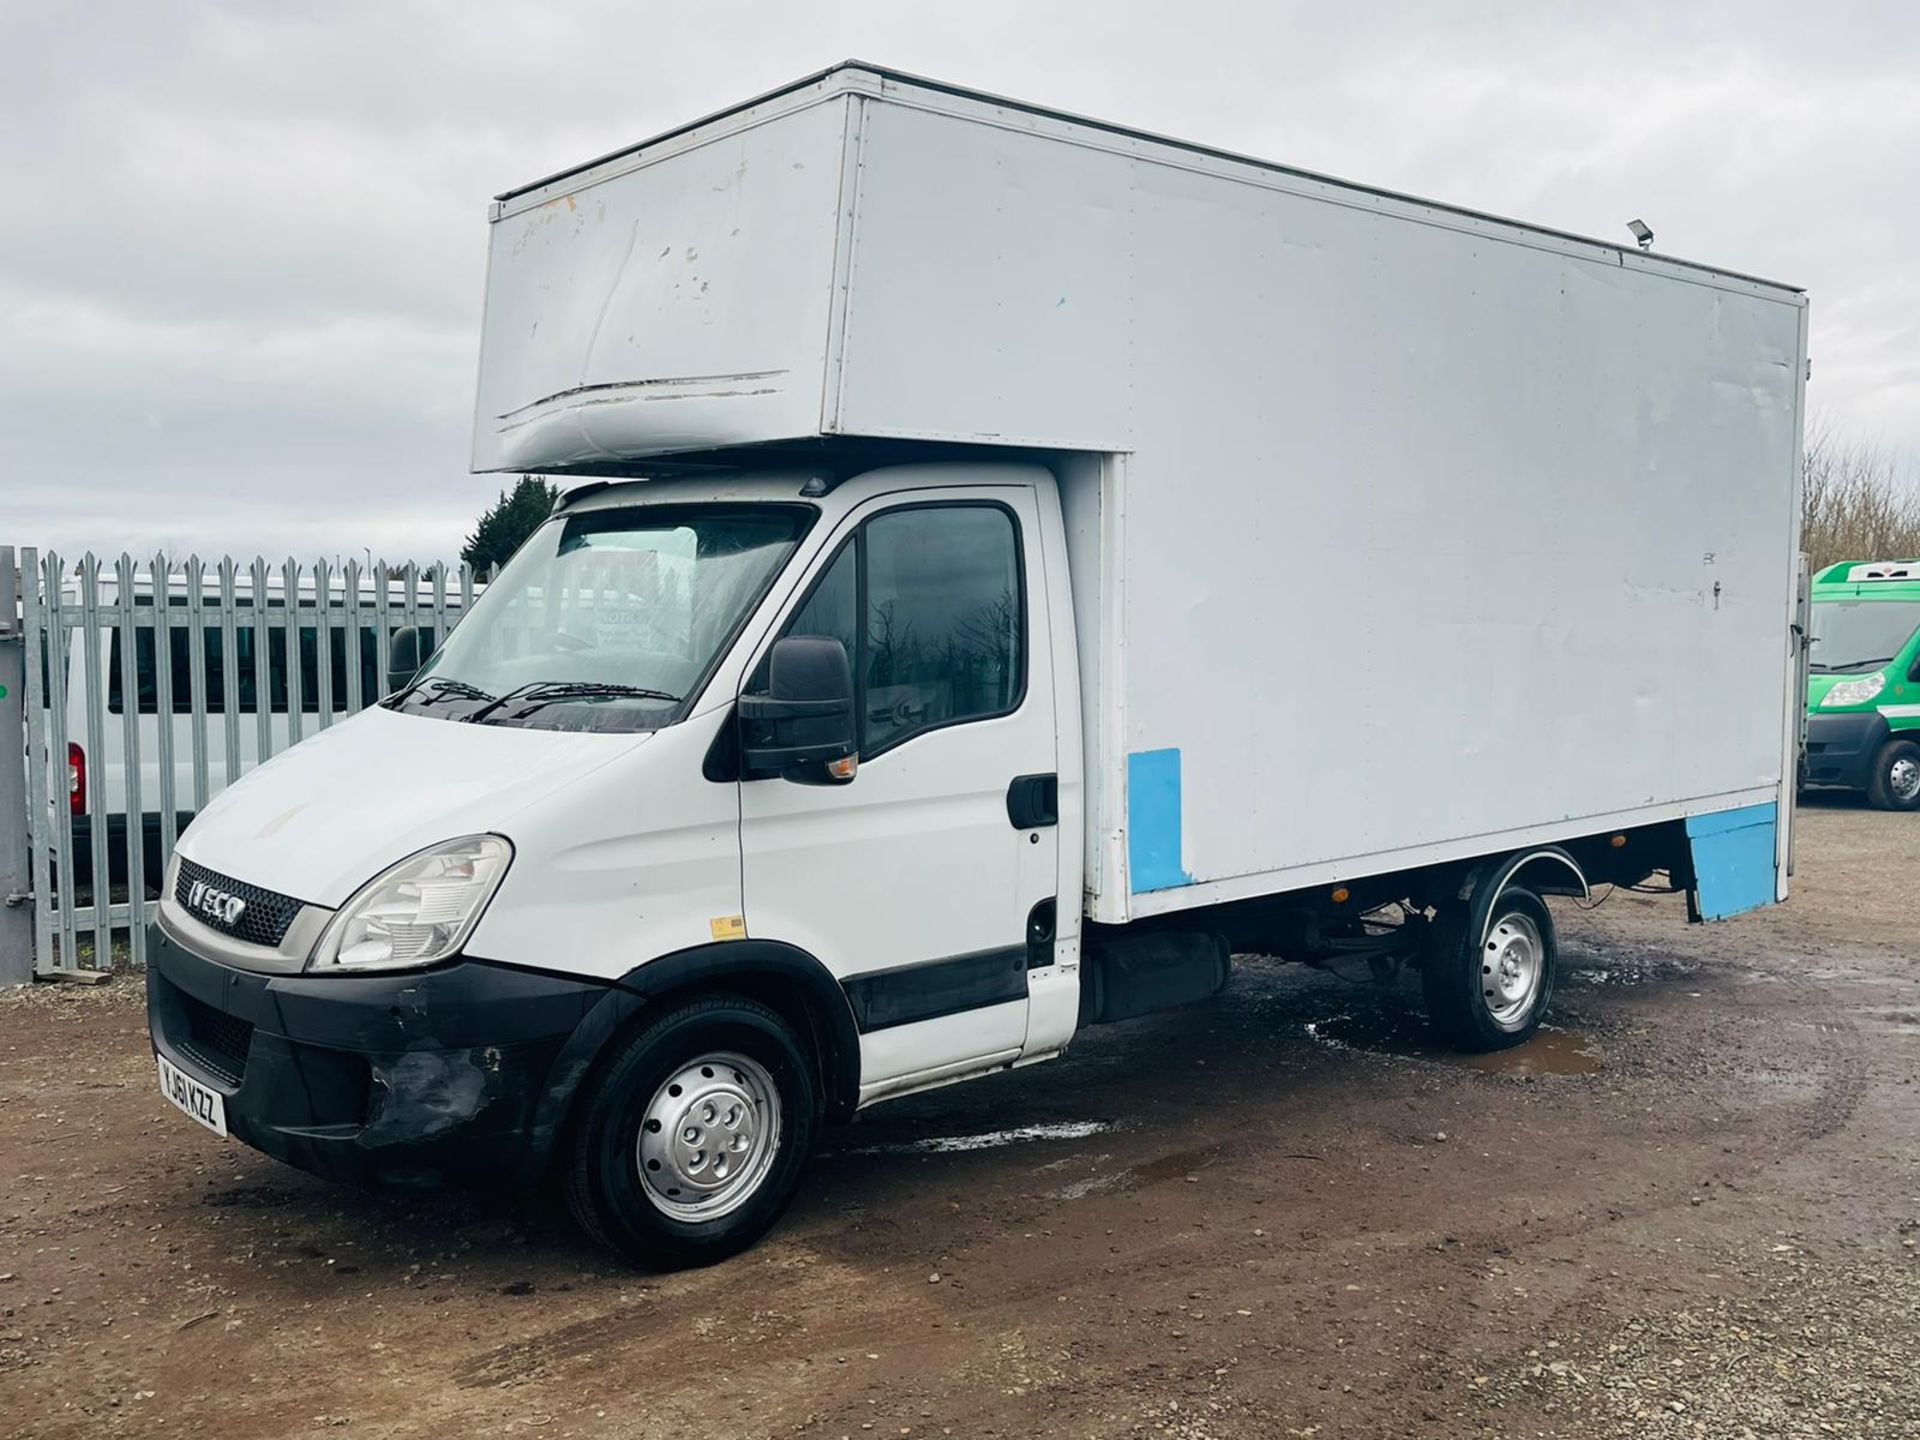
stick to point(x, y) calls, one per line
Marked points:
point(1895, 781)
point(693, 1141)
point(1488, 985)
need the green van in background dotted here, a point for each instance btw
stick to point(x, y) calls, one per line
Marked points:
point(1863, 681)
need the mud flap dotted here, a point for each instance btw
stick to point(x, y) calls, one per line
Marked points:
point(1733, 860)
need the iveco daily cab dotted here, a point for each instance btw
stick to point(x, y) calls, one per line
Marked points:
point(1016, 564)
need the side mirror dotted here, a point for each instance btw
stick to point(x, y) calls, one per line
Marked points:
point(804, 723)
point(403, 658)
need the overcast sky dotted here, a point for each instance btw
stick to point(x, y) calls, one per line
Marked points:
point(240, 267)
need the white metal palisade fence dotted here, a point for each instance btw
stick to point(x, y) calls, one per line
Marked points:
point(129, 735)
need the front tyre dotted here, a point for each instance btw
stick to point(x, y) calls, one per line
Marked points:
point(693, 1140)
point(1487, 988)
point(1895, 781)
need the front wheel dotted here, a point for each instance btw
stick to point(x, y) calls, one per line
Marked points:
point(693, 1141)
point(1487, 988)
point(1895, 782)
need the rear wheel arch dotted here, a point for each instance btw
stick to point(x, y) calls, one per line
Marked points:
point(1548, 870)
point(1543, 869)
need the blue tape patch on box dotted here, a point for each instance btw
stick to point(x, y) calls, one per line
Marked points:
point(1733, 859)
point(1153, 821)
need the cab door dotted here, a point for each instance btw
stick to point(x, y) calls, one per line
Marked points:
point(911, 882)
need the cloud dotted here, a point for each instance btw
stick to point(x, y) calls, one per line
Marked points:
point(240, 278)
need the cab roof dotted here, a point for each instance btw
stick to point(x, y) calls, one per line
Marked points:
point(1870, 577)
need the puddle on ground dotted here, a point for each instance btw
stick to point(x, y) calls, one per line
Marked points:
point(1598, 976)
point(1551, 1051)
point(1181, 1165)
point(1176, 1166)
point(952, 1144)
point(1617, 966)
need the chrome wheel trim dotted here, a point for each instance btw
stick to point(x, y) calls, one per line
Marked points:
point(1903, 778)
point(1513, 961)
point(709, 1137)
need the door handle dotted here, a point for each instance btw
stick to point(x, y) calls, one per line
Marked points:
point(1033, 801)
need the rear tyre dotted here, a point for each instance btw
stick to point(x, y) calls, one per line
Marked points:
point(1895, 781)
point(693, 1140)
point(1488, 986)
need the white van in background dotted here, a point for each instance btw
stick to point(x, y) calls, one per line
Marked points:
point(223, 718)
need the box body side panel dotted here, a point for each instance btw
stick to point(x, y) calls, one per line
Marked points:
point(1435, 537)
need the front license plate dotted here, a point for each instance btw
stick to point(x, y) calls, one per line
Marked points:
point(202, 1103)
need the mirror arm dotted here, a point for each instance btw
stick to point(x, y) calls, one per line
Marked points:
point(762, 707)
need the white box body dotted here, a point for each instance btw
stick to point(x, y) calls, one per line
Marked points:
point(1412, 533)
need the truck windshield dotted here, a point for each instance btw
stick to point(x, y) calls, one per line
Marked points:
point(609, 619)
point(1855, 635)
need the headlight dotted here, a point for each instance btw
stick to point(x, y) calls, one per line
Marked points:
point(1855, 692)
point(418, 912)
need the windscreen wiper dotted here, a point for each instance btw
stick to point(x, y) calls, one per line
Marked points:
point(538, 693)
point(442, 688)
point(445, 689)
point(1844, 667)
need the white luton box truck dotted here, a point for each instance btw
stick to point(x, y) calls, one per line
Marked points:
point(1020, 562)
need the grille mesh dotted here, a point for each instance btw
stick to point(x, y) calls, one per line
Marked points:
point(263, 920)
point(217, 1041)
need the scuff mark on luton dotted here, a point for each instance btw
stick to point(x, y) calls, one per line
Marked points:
point(614, 388)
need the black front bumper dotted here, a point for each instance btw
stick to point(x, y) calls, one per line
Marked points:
point(1841, 748)
point(458, 1073)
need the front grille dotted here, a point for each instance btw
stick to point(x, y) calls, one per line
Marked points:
point(264, 915)
point(216, 1041)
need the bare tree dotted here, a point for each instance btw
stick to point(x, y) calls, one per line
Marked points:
point(1861, 500)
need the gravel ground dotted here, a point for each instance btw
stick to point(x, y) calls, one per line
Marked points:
point(1689, 1209)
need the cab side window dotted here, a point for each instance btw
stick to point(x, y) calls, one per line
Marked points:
point(943, 621)
point(832, 607)
point(928, 601)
